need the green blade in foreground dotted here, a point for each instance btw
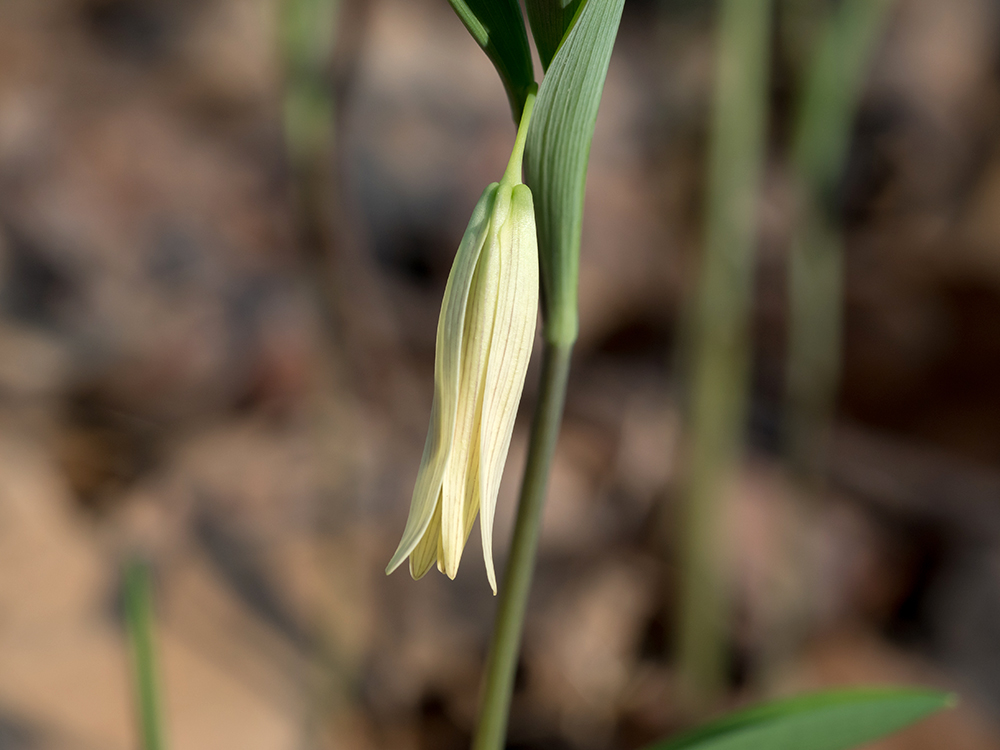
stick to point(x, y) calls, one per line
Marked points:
point(550, 20)
point(139, 621)
point(836, 720)
point(557, 152)
point(498, 27)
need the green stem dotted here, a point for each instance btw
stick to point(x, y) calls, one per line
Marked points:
point(307, 35)
point(513, 600)
point(513, 171)
point(720, 338)
point(846, 39)
point(139, 620)
point(820, 148)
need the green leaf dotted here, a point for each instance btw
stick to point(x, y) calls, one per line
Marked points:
point(835, 720)
point(498, 27)
point(557, 152)
point(550, 20)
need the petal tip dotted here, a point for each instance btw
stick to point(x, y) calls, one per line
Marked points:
point(491, 576)
point(394, 563)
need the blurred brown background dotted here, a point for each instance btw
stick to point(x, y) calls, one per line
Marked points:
point(222, 362)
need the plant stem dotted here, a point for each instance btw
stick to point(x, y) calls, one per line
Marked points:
point(845, 40)
point(513, 172)
point(719, 337)
point(513, 600)
point(139, 620)
point(820, 148)
point(307, 34)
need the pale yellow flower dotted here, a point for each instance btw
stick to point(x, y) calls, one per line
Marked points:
point(484, 339)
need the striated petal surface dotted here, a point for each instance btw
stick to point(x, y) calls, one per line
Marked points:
point(460, 489)
point(426, 551)
point(510, 350)
point(460, 495)
point(447, 362)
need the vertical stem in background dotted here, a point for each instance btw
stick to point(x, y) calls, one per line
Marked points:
point(820, 148)
point(513, 600)
point(139, 621)
point(815, 289)
point(307, 37)
point(834, 73)
point(308, 31)
point(719, 337)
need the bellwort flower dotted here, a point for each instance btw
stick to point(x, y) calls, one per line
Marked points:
point(484, 338)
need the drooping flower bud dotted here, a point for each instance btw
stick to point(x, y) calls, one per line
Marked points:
point(484, 340)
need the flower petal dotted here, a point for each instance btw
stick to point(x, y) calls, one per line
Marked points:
point(460, 489)
point(447, 358)
point(460, 497)
point(425, 553)
point(510, 350)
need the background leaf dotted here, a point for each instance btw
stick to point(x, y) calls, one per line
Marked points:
point(835, 720)
point(557, 153)
point(550, 19)
point(498, 27)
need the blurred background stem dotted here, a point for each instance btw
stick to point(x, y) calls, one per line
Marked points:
point(843, 41)
point(308, 38)
point(719, 338)
point(139, 621)
point(821, 140)
point(501, 663)
point(308, 32)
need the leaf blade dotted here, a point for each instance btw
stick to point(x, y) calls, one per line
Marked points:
point(831, 720)
point(498, 27)
point(550, 20)
point(557, 153)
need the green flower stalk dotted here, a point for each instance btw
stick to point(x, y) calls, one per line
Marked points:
point(484, 340)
